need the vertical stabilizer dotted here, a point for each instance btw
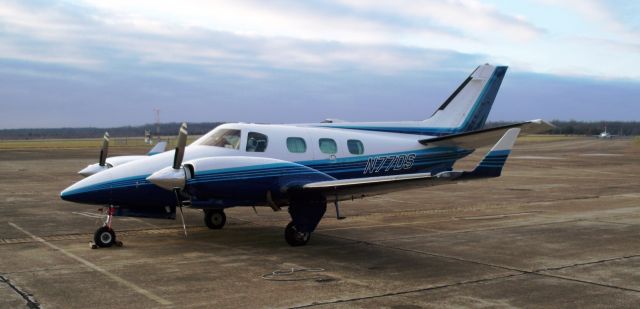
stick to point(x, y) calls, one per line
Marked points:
point(469, 105)
point(158, 148)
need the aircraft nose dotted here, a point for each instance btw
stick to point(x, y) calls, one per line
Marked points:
point(85, 192)
point(67, 195)
point(73, 193)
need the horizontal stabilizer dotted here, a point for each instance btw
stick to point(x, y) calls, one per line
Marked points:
point(484, 137)
point(493, 162)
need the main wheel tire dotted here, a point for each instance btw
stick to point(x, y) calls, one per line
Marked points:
point(215, 218)
point(295, 238)
point(104, 237)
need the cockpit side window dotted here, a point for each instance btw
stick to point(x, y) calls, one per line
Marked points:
point(256, 142)
point(226, 138)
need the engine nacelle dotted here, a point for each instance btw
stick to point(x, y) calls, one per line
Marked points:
point(251, 179)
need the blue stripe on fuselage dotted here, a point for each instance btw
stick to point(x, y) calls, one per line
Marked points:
point(140, 191)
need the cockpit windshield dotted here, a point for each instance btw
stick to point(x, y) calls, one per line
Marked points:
point(227, 138)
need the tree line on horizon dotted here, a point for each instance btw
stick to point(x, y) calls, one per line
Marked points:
point(572, 127)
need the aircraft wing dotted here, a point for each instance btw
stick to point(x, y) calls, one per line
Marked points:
point(484, 137)
point(369, 186)
point(490, 166)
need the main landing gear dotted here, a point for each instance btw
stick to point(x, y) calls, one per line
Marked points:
point(294, 237)
point(306, 212)
point(214, 218)
point(105, 237)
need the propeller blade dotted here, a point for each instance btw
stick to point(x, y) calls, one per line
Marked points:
point(182, 142)
point(104, 150)
point(179, 202)
point(184, 226)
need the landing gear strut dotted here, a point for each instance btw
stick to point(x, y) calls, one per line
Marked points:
point(214, 218)
point(105, 237)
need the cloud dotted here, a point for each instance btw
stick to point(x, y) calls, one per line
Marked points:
point(255, 36)
point(596, 11)
point(252, 60)
point(109, 37)
point(469, 17)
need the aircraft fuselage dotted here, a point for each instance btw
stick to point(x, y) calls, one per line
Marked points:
point(241, 174)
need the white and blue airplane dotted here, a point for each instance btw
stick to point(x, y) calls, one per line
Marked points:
point(306, 166)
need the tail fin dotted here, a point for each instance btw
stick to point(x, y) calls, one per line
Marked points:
point(468, 107)
point(492, 164)
point(158, 148)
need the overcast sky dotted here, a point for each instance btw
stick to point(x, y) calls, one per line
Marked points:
point(111, 63)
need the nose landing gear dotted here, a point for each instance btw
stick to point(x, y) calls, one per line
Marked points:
point(105, 236)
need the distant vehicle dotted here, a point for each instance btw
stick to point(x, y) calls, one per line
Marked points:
point(147, 137)
point(306, 166)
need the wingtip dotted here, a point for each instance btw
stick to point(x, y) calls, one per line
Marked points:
point(537, 126)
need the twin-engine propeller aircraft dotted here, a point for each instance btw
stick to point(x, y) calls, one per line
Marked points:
point(306, 166)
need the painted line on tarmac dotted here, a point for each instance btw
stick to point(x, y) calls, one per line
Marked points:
point(95, 267)
point(88, 214)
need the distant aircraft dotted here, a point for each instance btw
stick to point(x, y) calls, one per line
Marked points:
point(605, 134)
point(306, 166)
point(105, 163)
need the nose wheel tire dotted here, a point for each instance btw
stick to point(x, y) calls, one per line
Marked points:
point(104, 237)
point(295, 238)
point(215, 218)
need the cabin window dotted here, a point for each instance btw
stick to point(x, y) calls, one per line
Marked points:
point(226, 138)
point(355, 146)
point(328, 145)
point(296, 145)
point(256, 142)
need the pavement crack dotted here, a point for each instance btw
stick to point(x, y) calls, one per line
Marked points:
point(437, 287)
point(612, 222)
point(587, 263)
point(28, 297)
point(586, 282)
